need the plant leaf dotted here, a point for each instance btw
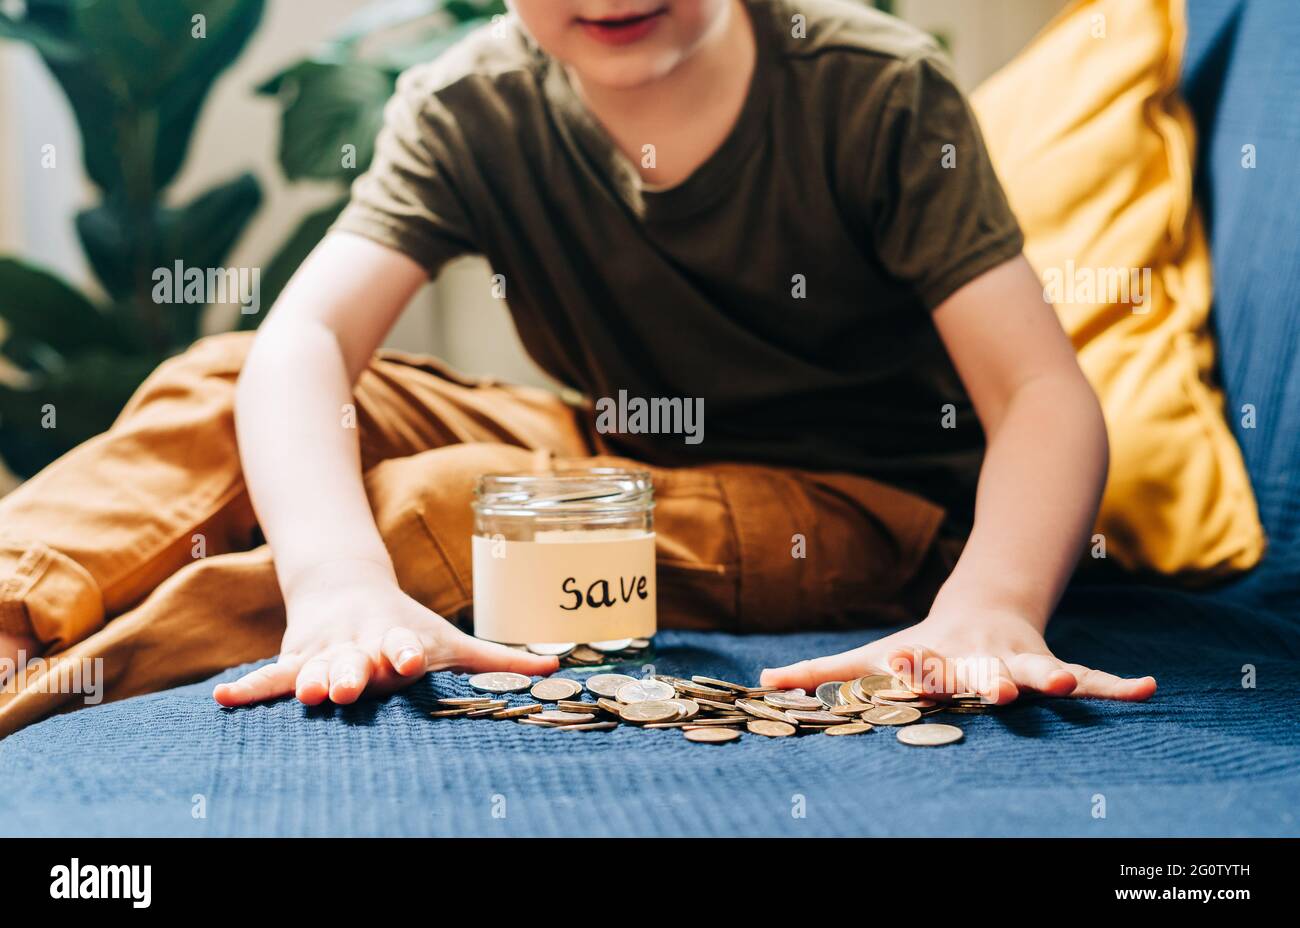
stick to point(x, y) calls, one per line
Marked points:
point(328, 106)
point(200, 235)
point(40, 311)
point(84, 397)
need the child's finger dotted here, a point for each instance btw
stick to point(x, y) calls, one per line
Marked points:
point(266, 682)
point(474, 655)
point(1098, 684)
point(404, 651)
point(313, 683)
point(349, 674)
point(934, 674)
point(1042, 674)
point(808, 675)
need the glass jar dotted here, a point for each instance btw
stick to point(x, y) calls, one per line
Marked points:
point(564, 563)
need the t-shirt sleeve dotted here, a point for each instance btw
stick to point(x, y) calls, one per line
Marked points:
point(933, 210)
point(407, 199)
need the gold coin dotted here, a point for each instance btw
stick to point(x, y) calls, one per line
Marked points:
point(518, 711)
point(590, 726)
point(560, 717)
point(478, 712)
point(771, 729)
point(852, 708)
point(720, 684)
point(817, 717)
point(711, 735)
point(650, 712)
point(575, 705)
point(585, 655)
point(555, 688)
point(930, 734)
point(874, 682)
point(879, 700)
point(852, 728)
point(500, 682)
point(687, 708)
point(762, 710)
point(644, 691)
point(610, 706)
point(452, 713)
point(461, 701)
point(897, 695)
point(792, 700)
point(607, 684)
point(891, 715)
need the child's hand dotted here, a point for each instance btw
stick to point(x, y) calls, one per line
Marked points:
point(368, 637)
point(996, 654)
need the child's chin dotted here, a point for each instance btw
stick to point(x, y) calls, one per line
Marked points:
point(628, 73)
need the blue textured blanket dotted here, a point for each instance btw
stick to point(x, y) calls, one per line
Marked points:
point(1206, 756)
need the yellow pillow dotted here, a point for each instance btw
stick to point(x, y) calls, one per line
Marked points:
point(1095, 149)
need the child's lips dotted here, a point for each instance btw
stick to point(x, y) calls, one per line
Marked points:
point(624, 29)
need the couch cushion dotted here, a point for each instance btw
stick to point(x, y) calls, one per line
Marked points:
point(1242, 78)
point(1095, 150)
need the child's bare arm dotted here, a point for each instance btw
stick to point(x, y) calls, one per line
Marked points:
point(349, 625)
point(1039, 488)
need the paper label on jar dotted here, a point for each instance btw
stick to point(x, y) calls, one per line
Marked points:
point(534, 592)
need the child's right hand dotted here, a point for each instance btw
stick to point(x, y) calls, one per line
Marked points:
point(367, 637)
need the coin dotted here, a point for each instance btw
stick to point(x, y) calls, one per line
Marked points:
point(552, 650)
point(650, 711)
point(896, 695)
point(930, 734)
point(609, 647)
point(590, 726)
point(610, 706)
point(517, 711)
point(453, 713)
point(792, 701)
point(555, 688)
point(640, 644)
point(562, 717)
point(687, 708)
point(711, 735)
point(762, 710)
point(719, 684)
point(816, 717)
point(852, 728)
point(644, 691)
point(829, 693)
point(852, 708)
point(771, 729)
point(500, 682)
point(879, 700)
point(458, 701)
point(478, 712)
point(607, 684)
point(891, 715)
point(585, 655)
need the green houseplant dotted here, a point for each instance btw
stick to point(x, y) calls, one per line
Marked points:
point(136, 74)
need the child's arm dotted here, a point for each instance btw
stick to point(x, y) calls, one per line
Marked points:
point(349, 626)
point(1039, 488)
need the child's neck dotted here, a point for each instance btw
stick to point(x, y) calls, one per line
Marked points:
point(688, 113)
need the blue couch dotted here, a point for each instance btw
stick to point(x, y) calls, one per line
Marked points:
point(1207, 756)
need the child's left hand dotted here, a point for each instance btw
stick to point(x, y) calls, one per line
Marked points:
point(997, 654)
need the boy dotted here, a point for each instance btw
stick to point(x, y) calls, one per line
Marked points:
point(783, 209)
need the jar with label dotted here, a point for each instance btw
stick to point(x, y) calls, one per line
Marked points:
point(564, 563)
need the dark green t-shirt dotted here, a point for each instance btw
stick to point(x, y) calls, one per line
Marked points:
point(787, 282)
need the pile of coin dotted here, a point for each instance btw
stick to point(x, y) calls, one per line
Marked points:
point(712, 711)
point(592, 654)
